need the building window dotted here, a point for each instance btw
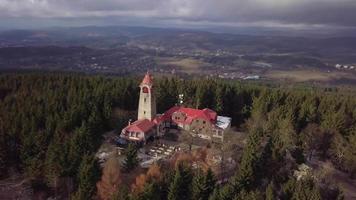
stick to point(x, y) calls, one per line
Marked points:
point(144, 112)
point(144, 100)
point(204, 122)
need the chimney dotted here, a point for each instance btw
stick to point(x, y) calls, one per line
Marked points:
point(129, 122)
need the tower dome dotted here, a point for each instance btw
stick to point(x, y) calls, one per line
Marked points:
point(147, 80)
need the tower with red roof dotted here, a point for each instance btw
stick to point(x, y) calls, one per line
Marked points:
point(147, 101)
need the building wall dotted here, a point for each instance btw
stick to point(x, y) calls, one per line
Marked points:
point(139, 136)
point(178, 116)
point(135, 136)
point(201, 126)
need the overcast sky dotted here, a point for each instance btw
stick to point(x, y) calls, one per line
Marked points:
point(264, 13)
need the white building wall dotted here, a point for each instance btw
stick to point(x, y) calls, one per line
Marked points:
point(147, 104)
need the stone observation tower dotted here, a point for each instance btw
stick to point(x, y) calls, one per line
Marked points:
point(147, 102)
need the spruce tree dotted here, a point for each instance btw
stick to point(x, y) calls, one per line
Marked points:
point(123, 193)
point(88, 176)
point(288, 189)
point(180, 188)
point(198, 186)
point(81, 143)
point(151, 191)
point(210, 183)
point(219, 102)
point(131, 160)
point(57, 163)
point(215, 195)
point(246, 176)
point(227, 192)
point(270, 194)
point(306, 190)
point(3, 156)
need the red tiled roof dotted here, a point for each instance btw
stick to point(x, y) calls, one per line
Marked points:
point(190, 114)
point(147, 79)
point(142, 125)
point(166, 115)
point(212, 114)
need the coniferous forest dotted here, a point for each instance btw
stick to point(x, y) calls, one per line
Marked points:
point(51, 126)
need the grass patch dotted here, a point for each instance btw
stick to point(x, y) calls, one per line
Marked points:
point(308, 75)
point(188, 65)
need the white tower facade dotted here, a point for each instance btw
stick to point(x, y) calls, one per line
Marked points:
point(147, 102)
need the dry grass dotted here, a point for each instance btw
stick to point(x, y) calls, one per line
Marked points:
point(326, 172)
point(188, 65)
point(308, 75)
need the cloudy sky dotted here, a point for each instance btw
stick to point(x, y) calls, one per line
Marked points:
point(264, 13)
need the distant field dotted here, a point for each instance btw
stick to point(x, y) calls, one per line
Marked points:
point(308, 75)
point(188, 65)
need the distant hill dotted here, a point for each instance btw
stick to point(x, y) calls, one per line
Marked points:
point(137, 49)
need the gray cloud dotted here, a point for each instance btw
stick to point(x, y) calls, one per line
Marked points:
point(295, 13)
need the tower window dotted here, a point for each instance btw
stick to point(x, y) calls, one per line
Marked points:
point(144, 112)
point(145, 89)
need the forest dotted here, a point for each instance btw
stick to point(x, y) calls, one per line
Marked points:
point(51, 126)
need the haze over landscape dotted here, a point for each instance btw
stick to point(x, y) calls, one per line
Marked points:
point(178, 99)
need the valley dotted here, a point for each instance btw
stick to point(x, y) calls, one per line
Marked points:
point(132, 50)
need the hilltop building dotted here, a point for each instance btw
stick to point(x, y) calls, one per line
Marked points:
point(203, 123)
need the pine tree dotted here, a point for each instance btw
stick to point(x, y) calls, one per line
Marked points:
point(215, 195)
point(151, 191)
point(306, 190)
point(313, 139)
point(227, 192)
point(270, 194)
point(246, 176)
point(198, 186)
point(167, 179)
point(288, 189)
point(122, 193)
point(89, 174)
point(350, 156)
point(210, 184)
point(81, 143)
point(131, 160)
point(3, 156)
point(57, 163)
point(219, 102)
point(180, 188)
point(249, 195)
